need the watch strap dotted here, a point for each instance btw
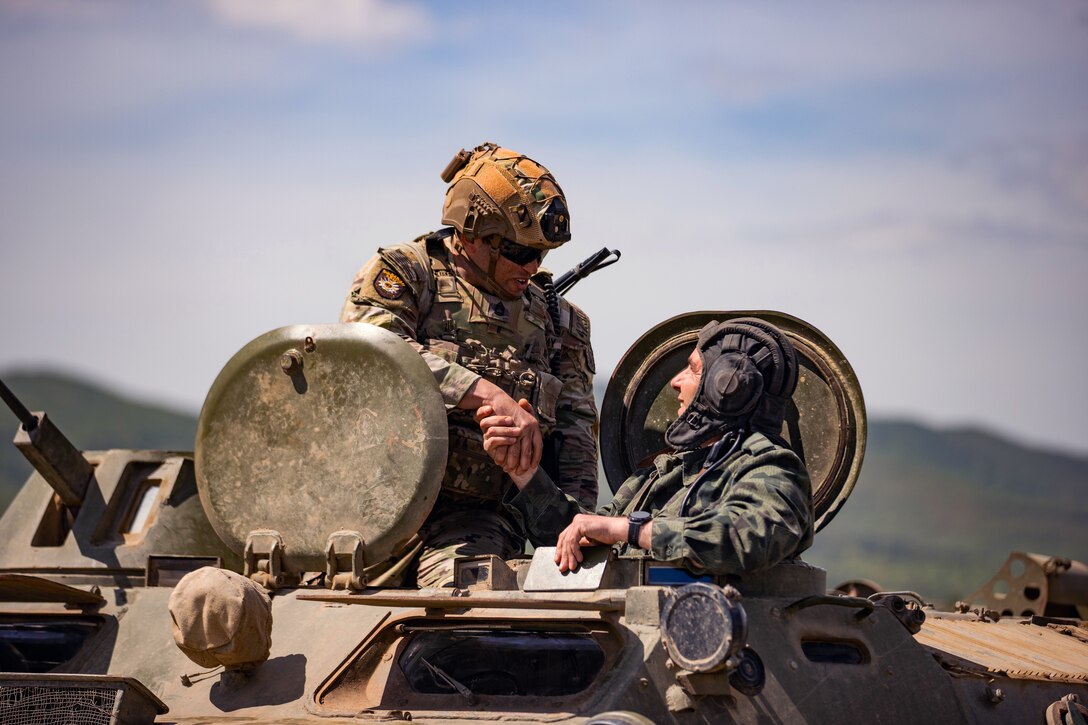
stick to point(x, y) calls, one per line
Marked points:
point(635, 522)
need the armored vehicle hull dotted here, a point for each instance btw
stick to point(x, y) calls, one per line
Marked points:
point(91, 558)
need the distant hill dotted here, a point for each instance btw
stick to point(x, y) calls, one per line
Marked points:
point(934, 511)
point(91, 417)
point(939, 511)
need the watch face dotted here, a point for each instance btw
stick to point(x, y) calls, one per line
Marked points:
point(638, 517)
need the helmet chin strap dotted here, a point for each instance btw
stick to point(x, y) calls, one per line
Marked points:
point(486, 277)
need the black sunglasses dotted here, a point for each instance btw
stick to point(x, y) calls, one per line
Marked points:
point(519, 253)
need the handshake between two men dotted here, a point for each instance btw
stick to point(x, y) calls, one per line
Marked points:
point(515, 445)
point(729, 496)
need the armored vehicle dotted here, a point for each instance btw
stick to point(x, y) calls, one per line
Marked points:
point(318, 454)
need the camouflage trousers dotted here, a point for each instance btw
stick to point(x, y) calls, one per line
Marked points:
point(463, 532)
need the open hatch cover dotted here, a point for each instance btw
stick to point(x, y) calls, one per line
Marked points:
point(313, 429)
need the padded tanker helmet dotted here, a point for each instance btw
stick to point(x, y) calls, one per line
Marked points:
point(498, 191)
point(749, 373)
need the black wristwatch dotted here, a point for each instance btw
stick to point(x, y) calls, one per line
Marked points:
point(635, 521)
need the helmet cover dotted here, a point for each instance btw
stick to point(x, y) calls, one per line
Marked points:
point(221, 618)
point(749, 371)
point(498, 191)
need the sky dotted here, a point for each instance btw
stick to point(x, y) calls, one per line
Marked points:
point(179, 177)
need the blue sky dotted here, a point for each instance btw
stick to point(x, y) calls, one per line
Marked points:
point(912, 178)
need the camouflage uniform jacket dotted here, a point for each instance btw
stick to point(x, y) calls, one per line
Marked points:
point(750, 513)
point(464, 333)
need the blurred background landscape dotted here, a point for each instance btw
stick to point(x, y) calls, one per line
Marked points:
point(935, 510)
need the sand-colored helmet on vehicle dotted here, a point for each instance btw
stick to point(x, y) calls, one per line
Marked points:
point(494, 190)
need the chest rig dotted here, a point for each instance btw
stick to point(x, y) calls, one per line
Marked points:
point(509, 343)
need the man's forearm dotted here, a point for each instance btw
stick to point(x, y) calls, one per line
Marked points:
point(482, 392)
point(614, 531)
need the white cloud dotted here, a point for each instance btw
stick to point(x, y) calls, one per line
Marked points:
point(374, 23)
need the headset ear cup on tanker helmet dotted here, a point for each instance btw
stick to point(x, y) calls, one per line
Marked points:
point(770, 413)
point(733, 384)
point(762, 347)
point(748, 372)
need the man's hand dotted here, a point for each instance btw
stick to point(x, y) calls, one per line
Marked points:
point(500, 433)
point(587, 530)
point(522, 444)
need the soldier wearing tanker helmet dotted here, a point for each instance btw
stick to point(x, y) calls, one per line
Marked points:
point(731, 497)
point(471, 299)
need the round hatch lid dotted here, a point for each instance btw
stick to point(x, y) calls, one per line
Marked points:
point(312, 429)
point(825, 421)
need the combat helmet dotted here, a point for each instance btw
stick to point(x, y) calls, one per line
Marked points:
point(749, 372)
point(496, 191)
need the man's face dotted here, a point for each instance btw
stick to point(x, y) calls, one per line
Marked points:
point(511, 278)
point(686, 382)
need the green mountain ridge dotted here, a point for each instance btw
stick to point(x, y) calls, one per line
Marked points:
point(939, 511)
point(935, 511)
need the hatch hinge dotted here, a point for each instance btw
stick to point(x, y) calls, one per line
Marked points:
point(344, 561)
point(262, 559)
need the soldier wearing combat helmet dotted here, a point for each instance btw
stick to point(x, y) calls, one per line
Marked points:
point(471, 299)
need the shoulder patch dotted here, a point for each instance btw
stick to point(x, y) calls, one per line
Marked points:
point(389, 285)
